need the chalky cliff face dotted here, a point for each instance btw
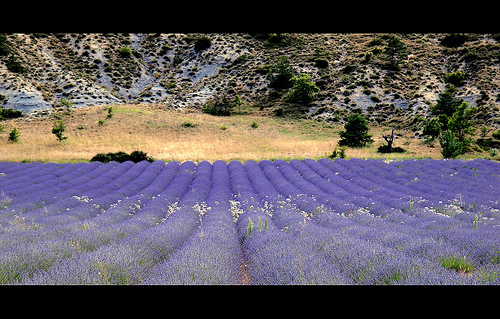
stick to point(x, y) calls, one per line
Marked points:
point(354, 72)
point(114, 68)
point(303, 222)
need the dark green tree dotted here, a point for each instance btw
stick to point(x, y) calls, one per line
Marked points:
point(14, 65)
point(395, 51)
point(432, 128)
point(461, 123)
point(356, 132)
point(221, 106)
point(456, 78)
point(451, 146)
point(281, 73)
point(454, 122)
point(4, 45)
point(202, 43)
point(446, 104)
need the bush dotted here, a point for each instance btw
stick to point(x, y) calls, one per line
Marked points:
point(9, 113)
point(262, 69)
point(14, 65)
point(110, 112)
point(304, 90)
point(66, 102)
point(457, 263)
point(189, 124)
point(106, 158)
point(277, 40)
point(321, 63)
point(454, 40)
point(496, 135)
point(456, 78)
point(4, 44)
point(125, 52)
point(221, 106)
point(386, 149)
point(139, 156)
point(135, 156)
point(335, 153)
point(202, 43)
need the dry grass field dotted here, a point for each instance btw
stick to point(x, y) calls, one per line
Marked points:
point(163, 135)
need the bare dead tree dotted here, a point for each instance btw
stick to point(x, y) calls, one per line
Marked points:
point(389, 139)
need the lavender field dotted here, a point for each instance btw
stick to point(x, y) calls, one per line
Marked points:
point(270, 222)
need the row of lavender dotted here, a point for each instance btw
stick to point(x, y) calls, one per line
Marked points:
point(304, 222)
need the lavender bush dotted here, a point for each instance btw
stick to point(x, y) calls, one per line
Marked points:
point(269, 222)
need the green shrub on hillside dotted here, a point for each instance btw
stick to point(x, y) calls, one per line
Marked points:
point(125, 52)
point(454, 40)
point(14, 65)
point(456, 78)
point(221, 106)
point(4, 44)
point(202, 43)
point(304, 90)
point(9, 113)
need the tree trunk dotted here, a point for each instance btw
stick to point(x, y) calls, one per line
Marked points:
point(389, 139)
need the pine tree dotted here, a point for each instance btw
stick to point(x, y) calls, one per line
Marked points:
point(356, 132)
point(58, 130)
point(461, 123)
point(281, 73)
point(451, 146)
point(446, 104)
point(395, 51)
point(14, 135)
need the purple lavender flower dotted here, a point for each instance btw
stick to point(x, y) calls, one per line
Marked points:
point(269, 222)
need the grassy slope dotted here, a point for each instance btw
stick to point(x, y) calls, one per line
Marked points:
point(161, 134)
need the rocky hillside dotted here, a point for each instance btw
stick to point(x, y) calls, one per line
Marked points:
point(354, 72)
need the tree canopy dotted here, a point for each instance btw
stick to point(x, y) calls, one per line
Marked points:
point(356, 132)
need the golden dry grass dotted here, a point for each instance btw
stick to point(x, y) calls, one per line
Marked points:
point(161, 134)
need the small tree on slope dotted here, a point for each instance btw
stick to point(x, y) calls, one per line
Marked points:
point(58, 130)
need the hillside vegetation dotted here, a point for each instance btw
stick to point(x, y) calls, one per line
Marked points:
point(383, 76)
point(288, 95)
point(182, 135)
